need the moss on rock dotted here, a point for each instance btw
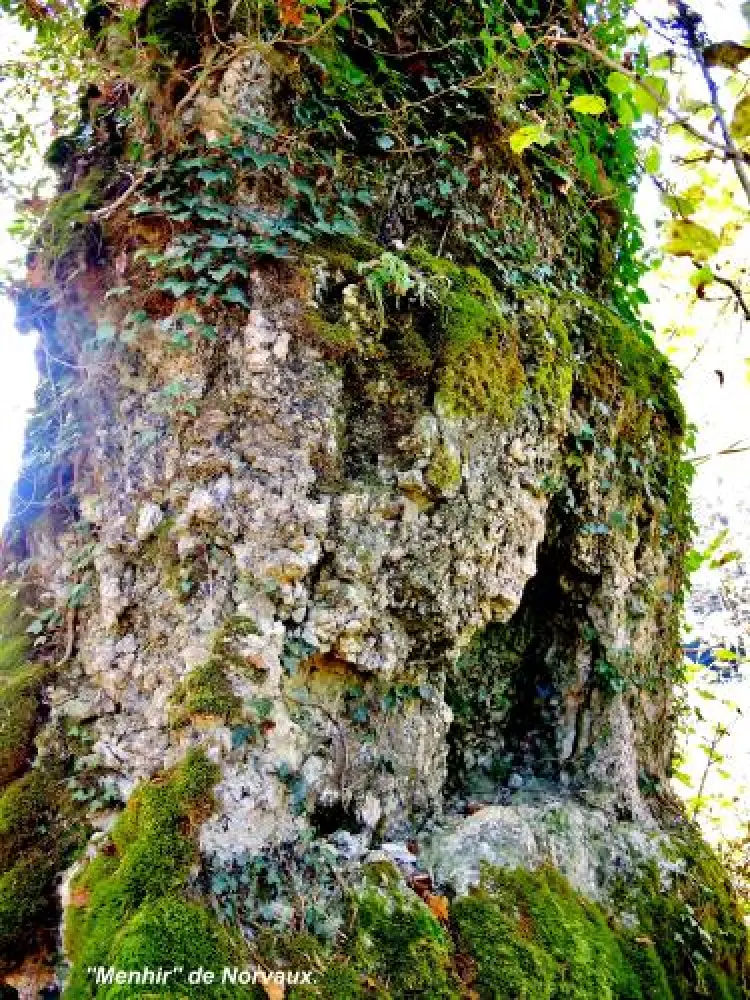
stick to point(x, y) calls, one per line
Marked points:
point(546, 325)
point(444, 471)
point(19, 716)
point(132, 908)
point(694, 920)
point(40, 832)
point(20, 684)
point(531, 935)
point(205, 691)
point(482, 378)
point(520, 934)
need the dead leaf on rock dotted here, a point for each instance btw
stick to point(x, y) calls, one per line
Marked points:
point(439, 907)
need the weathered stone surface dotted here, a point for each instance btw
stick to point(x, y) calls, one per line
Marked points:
point(590, 846)
point(340, 601)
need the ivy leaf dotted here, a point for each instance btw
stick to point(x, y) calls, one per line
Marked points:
point(588, 104)
point(175, 286)
point(210, 176)
point(529, 135)
point(221, 272)
point(689, 239)
point(235, 296)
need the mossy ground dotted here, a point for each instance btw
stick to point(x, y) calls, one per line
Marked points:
point(519, 936)
point(697, 926)
point(530, 935)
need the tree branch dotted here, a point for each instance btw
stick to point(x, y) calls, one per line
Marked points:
point(688, 20)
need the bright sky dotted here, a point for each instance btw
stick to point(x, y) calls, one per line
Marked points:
point(17, 369)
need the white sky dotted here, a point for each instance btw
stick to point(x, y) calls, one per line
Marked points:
point(17, 369)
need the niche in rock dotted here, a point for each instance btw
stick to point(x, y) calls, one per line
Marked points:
point(506, 692)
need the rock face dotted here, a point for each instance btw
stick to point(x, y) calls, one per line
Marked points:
point(339, 604)
point(355, 548)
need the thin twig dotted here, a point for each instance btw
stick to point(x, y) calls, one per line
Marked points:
point(311, 39)
point(104, 213)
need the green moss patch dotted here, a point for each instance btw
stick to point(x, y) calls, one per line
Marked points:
point(394, 949)
point(484, 377)
point(131, 909)
point(205, 691)
point(623, 357)
point(19, 717)
point(40, 832)
point(546, 325)
point(529, 934)
point(20, 690)
point(40, 828)
point(694, 920)
point(444, 471)
point(520, 934)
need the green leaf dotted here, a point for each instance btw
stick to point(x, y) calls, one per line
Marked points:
point(689, 239)
point(221, 272)
point(652, 160)
point(529, 135)
point(619, 83)
point(235, 296)
point(663, 62)
point(652, 96)
point(378, 20)
point(680, 204)
point(175, 286)
point(588, 104)
point(702, 277)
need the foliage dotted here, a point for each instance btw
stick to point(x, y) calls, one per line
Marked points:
point(696, 926)
point(293, 885)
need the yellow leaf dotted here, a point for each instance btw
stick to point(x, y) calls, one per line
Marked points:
point(529, 135)
point(727, 55)
point(741, 122)
point(439, 907)
point(689, 239)
point(588, 104)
